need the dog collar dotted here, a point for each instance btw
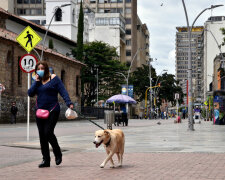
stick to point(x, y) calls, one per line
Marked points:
point(108, 143)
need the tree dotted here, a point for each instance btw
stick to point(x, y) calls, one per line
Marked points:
point(168, 88)
point(79, 49)
point(140, 81)
point(104, 57)
point(50, 44)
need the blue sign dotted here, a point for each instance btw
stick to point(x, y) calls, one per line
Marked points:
point(130, 90)
point(124, 89)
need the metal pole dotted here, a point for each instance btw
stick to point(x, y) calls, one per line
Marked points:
point(128, 76)
point(150, 95)
point(57, 7)
point(28, 108)
point(97, 87)
point(190, 113)
point(46, 34)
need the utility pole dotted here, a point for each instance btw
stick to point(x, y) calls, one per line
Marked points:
point(150, 83)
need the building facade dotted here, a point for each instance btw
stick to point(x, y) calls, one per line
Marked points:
point(12, 77)
point(213, 40)
point(128, 9)
point(182, 47)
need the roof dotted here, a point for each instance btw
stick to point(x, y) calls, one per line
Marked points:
point(36, 27)
point(11, 36)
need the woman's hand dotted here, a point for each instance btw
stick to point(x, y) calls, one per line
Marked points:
point(37, 77)
point(71, 106)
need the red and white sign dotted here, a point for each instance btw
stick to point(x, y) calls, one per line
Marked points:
point(2, 88)
point(28, 63)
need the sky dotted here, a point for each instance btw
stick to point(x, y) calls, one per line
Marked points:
point(163, 16)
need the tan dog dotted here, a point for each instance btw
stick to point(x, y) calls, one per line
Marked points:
point(113, 141)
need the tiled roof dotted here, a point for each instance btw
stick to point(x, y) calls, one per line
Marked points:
point(11, 36)
point(37, 27)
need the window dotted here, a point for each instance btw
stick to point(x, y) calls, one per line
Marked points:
point(128, 1)
point(128, 10)
point(38, 1)
point(26, 1)
point(27, 11)
point(113, 1)
point(36, 21)
point(58, 15)
point(32, 1)
point(119, 1)
point(128, 53)
point(38, 11)
point(9, 57)
point(101, 10)
point(92, 1)
point(63, 76)
point(19, 1)
point(77, 85)
point(20, 11)
point(73, 16)
point(19, 75)
point(100, 1)
point(128, 31)
point(128, 42)
point(128, 21)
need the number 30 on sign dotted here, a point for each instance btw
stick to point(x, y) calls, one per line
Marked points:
point(28, 63)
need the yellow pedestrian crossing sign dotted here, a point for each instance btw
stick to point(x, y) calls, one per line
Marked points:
point(206, 103)
point(28, 39)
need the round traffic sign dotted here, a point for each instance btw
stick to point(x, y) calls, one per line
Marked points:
point(28, 63)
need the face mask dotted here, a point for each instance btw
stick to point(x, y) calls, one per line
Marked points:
point(40, 73)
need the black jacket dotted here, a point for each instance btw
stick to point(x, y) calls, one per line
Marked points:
point(14, 110)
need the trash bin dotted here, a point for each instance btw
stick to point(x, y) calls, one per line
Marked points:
point(109, 118)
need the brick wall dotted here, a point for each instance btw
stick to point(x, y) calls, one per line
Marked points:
point(15, 81)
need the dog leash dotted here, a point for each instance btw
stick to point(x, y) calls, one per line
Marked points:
point(92, 122)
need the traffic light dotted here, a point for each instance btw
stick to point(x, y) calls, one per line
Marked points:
point(159, 84)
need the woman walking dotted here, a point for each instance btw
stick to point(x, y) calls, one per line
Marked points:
point(46, 87)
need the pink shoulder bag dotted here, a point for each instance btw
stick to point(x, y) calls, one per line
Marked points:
point(43, 113)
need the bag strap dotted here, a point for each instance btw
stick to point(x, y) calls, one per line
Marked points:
point(51, 109)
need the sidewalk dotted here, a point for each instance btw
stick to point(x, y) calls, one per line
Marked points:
point(152, 151)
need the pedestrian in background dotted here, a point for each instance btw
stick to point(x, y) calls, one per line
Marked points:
point(14, 111)
point(46, 87)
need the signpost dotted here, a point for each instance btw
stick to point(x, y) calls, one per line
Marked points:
point(28, 39)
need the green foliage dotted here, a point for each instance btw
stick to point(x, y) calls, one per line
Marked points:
point(99, 56)
point(169, 86)
point(140, 80)
point(50, 44)
point(79, 50)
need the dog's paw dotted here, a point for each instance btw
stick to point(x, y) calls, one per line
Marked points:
point(120, 165)
point(112, 166)
point(102, 166)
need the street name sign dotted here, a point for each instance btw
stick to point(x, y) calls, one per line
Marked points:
point(28, 39)
point(28, 63)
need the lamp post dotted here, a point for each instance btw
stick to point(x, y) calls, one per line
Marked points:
point(190, 113)
point(43, 42)
point(139, 49)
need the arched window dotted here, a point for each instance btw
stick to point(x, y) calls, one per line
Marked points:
point(58, 14)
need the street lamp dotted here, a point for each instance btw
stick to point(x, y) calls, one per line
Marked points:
point(190, 112)
point(139, 49)
point(43, 42)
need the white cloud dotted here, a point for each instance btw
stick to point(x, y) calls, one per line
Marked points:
point(163, 20)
